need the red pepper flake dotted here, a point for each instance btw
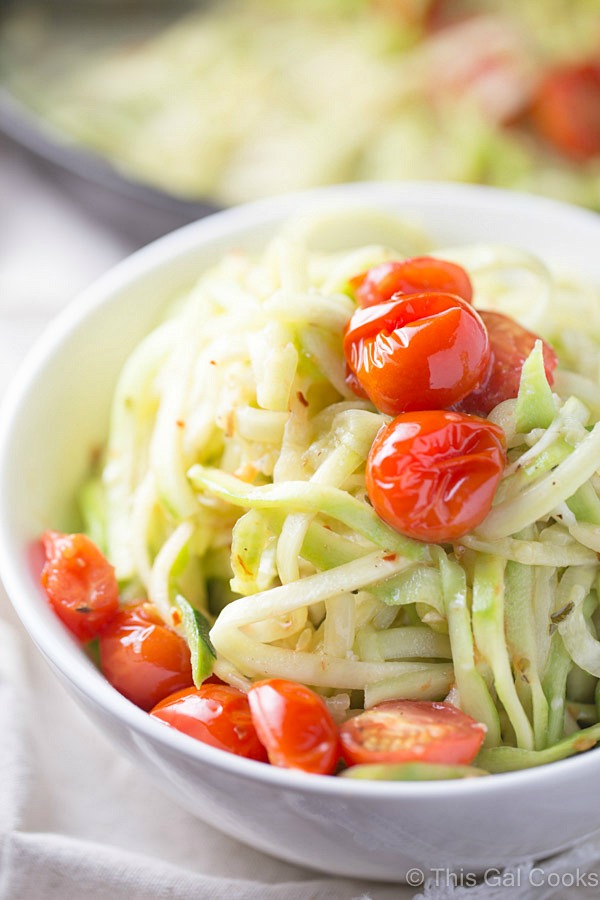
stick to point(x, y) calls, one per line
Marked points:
point(580, 745)
point(301, 398)
point(390, 557)
point(247, 472)
point(176, 617)
point(213, 362)
point(229, 424)
point(180, 423)
point(95, 456)
point(242, 565)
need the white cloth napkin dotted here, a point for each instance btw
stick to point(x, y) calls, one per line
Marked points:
point(77, 820)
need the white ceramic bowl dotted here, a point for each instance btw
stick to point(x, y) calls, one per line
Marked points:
point(57, 412)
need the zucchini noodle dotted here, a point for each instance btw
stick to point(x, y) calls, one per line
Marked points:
point(234, 480)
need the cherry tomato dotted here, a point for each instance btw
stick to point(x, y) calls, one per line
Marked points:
point(399, 731)
point(432, 475)
point(215, 714)
point(426, 351)
point(80, 583)
point(566, 110)
point(295, 726)
point(405, 12)
point(354, 384)
point(142, 657)
point(510, 345)
point(443, 13)
point(411, 276)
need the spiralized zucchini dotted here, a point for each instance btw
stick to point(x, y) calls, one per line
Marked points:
point(234, 480)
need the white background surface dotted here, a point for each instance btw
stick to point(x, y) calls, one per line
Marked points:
point(76, 819)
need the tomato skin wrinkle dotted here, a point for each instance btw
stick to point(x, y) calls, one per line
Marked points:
point(425, 351)
point(80, 583)
point(354, 384)
point(416, 275)
point(566, 110)
point(143, 658)
point(295, 726)
point(510, 345)
point(432, 475)
point(398, 731)
point(215, 714)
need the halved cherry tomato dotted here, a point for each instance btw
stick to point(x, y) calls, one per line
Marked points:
point(80, 583)
point(566, 110)
point(143, 658)
point(215, 714)
point(399, 731)
point(295, 726)
point(425, 351)
point(510, 345)
point(411, 276)
point(432, 475)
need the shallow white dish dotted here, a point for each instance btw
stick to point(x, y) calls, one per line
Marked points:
point(56, 413)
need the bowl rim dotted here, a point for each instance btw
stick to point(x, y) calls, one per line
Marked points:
point(41, 140)
point(71, 661)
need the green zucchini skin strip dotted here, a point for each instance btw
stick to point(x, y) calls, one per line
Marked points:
point(303, 496)
point(412, 772)
point(488, 629)
point(554, 683)
point(538, 499)
point(196, 630)
point(475, 697)
point(535, 407)
point(358, 573)
point(520, 629)
point(510, 759)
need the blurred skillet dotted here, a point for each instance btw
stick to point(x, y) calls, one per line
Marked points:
point(137, 210)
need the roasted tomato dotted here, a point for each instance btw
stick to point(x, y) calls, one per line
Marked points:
point(400, 731)
point(295, 726)
point(510, 345)
point(215, 714)
point(566, 110)
point(426, 351)
point(417, 275)
point(80, 583)
point(143, 658)
point(432, 475)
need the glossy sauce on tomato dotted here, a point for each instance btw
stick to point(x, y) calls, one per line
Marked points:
point(425, 351)
point(417, 275)
point(432, 475)
point(80, 583)
point(510, 345)
point(295, 726)
point(142, 658)
point(215, 714)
